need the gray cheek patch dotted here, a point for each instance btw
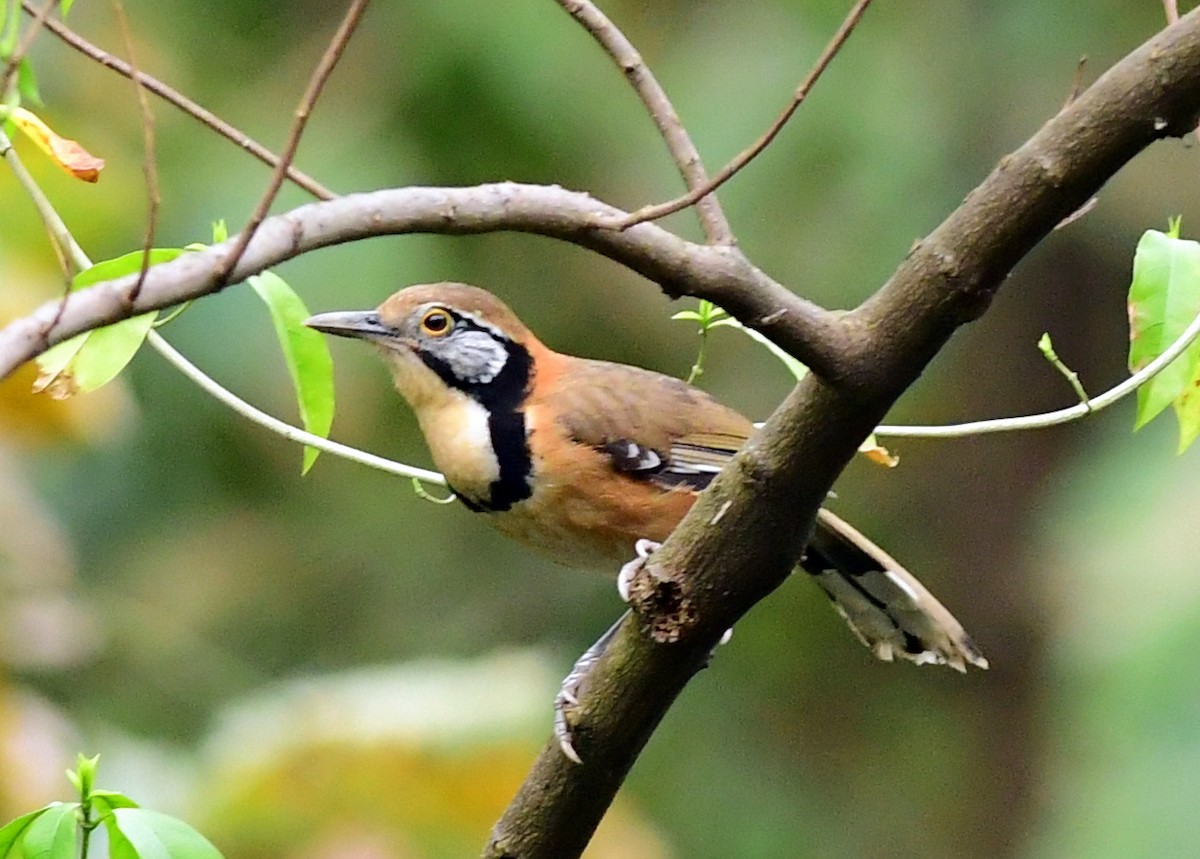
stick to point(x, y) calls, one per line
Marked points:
point(475, 357)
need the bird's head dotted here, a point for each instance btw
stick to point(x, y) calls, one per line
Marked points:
point(440, 336)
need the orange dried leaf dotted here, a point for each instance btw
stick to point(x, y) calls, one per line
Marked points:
point(877, 453)
point(67, 154)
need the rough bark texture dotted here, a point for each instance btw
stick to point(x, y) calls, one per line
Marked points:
point(767, 498)
point(774, 486)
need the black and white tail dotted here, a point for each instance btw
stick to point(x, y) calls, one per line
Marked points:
point(889, 611)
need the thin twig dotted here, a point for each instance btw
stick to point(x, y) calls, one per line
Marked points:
point(63, 238)
point(172, 96)
point(1076, 82)
point(712, 219)
point(1061, 416)
point(149, 165)
point(320, 75)
point(816, 336)
point(64, 243)
point(1171, 7)
point(40, 18)
point(68, 252)
point(650, 213)
point(243, 408)
point(1046, 347)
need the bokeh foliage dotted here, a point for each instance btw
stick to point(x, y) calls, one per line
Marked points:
point(163, 564)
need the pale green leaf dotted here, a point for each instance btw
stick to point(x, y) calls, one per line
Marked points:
point(108, 800)
point(12, 831)
point(138, 833)
point(1187, 412)
point(306, 353)
point(130, 263)
point(1164, 298)
point(94, 358)
point(8, 33)
point(54, 834)
point(27, 83)
point(107, 351)
point(84, 774)
point(798, 370)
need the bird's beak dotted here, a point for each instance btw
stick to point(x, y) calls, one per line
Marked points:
point(363, 324)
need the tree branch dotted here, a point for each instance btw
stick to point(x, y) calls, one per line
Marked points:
point(720, 274)
point(181, 101)
point(654, 97)
point(699, 192)
point(767, 497)
point(706, 577)
point(40, 17)
point(316, 83)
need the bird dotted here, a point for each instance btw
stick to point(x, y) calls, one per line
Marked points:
point(581, 459)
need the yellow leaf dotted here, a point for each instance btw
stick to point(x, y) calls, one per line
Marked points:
point(67, 154)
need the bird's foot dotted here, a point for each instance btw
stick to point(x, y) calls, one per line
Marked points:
point(644, 548)
point(568, 694)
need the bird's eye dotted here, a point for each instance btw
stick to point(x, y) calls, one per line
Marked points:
point(437, 323)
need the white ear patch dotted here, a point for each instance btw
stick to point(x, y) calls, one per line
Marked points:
point(476, 357)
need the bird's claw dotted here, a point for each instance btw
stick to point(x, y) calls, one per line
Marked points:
point(562, 729)
point(568, 693)
point(644, 548)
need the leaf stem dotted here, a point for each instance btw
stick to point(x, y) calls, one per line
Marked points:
point(1061, 416)
point(65, 242)
point(1047, 349)
point(698, 368)
point(243, 408)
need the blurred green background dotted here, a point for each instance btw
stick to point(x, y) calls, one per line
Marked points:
point(331, 667)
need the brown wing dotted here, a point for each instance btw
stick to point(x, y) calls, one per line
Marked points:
point(650, 426)
point(673, 439)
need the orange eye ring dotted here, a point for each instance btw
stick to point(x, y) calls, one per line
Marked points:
point(437, 323)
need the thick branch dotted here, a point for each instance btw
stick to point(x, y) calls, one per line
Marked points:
point(720, 274)
point(952, 275)
point(766, 499)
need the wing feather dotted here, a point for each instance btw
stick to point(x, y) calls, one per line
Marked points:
point(650, 426)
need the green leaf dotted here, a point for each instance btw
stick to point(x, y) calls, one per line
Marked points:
point(84, 774)
point(108, 800)
point(12, 831)
point(8, 34)
point(66, 7)
point(130, 263)
point(54, 834)
point(307, 354)
point(1187, 412)
point(1164, 298)
point(27, 83)
point(94, 358)
point(138, 833)
point(798, 370)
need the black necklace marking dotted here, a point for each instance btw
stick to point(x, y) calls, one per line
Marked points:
point(502, 397)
